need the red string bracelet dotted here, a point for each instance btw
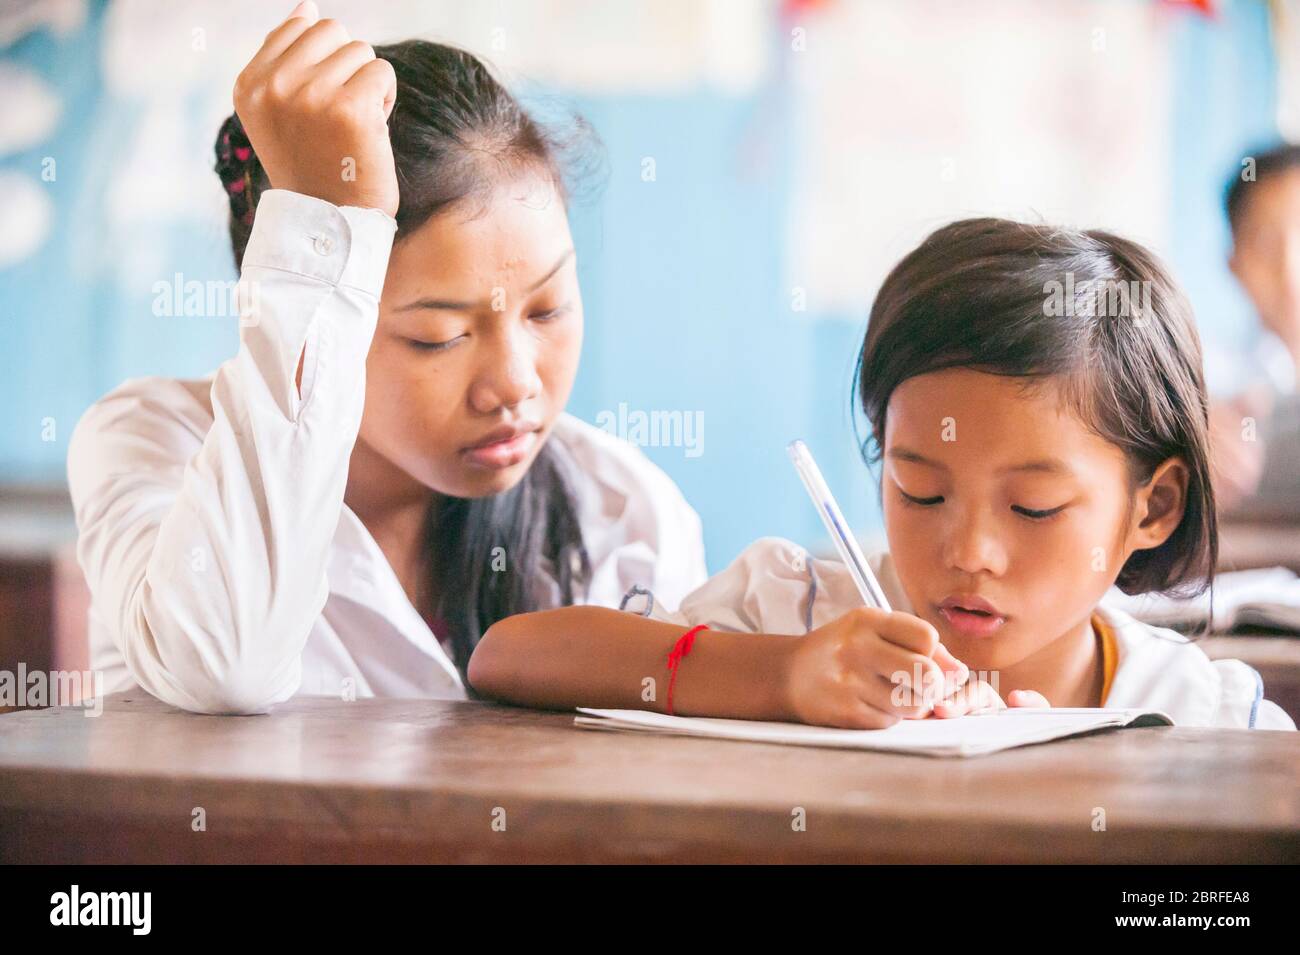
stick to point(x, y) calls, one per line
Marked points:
point(675, 656)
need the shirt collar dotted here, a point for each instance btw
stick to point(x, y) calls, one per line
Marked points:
point(359, 572)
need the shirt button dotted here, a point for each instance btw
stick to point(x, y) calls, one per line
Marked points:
point(324, 244)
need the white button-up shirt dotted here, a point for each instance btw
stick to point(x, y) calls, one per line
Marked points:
point(226, 572)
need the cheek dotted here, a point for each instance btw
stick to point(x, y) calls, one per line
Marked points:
point(1265, 284)
point(1067, 565)
point(409, 400)
point(913, 547)
point(557, 360)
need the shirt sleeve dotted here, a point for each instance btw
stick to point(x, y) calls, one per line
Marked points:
point(774, 586)
point(1270, 716)
point(210, 569)
point(769, 588)
point(1241, 699)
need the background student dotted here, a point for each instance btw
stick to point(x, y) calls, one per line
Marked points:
point(1256, 432)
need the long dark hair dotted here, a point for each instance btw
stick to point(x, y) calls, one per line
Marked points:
point(455, 132)
point(1034, 301)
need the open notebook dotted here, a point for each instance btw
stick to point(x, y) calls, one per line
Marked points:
point(973, 735)
point(1268, 598)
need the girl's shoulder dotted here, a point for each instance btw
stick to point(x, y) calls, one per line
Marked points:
point(638, 529)
point(776, 586)
point(153, 400)
point(1161, 669)
point(144, 422)
point(627, 485)
point(610, 460)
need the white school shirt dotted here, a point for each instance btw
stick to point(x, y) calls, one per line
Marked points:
point(775, 587)
point(1268, 362)
point(1269, 365)
point(225, 571)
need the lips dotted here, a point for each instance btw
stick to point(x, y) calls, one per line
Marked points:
point(504, 433)
point(972, 615)
point(503, 447)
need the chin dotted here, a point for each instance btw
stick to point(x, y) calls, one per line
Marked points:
point(985, 655)
point(980, 657)
point(454, 474)
point(468, 480)
point(978, 653)
point(476, 482)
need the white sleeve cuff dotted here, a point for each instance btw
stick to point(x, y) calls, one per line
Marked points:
point(340, 245)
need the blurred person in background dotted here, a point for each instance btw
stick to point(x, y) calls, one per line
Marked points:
point(1256, 433)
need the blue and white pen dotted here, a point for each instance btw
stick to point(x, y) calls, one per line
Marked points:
point(831, 516)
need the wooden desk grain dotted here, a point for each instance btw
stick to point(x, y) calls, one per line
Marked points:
point(416, 780)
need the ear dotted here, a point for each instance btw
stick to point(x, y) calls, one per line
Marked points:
point(1160, 505)
point(1234, 263)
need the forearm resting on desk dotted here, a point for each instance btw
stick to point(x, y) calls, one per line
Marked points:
point(597, 657)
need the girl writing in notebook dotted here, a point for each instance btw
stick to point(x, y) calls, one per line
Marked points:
point(1037, 409)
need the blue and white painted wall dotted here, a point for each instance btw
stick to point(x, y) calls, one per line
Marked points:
point(732, 284)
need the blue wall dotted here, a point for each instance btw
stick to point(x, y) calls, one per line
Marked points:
point(1225, 106)
point(683, 279)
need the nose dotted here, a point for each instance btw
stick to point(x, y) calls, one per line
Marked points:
point(507, 373)
point(972, 544)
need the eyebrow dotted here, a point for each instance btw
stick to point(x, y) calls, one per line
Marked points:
point(1040, 465)
point(452, 305)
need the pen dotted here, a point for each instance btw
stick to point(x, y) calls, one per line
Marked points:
point(873, 595)
point(850, 552)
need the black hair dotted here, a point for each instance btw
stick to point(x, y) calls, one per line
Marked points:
point(456, 132)
point(1269, 163)
point(1029, 301)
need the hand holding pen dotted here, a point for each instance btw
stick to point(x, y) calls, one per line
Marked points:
point(872, 666)
point(874, 636)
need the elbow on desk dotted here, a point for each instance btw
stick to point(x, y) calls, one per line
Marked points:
point(199, 673)
point(241, 695)
point(232, 691)
point(229, 693)
point(505, 664)
point(489, 672)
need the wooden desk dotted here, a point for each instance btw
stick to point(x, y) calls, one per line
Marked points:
point(415, 780)
point(1245, 545)
point(44, 601)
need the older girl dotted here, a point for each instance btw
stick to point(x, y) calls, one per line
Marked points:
point(385, 467)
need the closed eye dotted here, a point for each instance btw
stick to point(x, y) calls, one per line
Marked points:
point(549, 316)
point(433, 346)
point(1037, 515)
point(920, 501)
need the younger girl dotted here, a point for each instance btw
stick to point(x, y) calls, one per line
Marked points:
point(1037, 405)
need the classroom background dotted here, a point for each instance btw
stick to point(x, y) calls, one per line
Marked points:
point(764, 163)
